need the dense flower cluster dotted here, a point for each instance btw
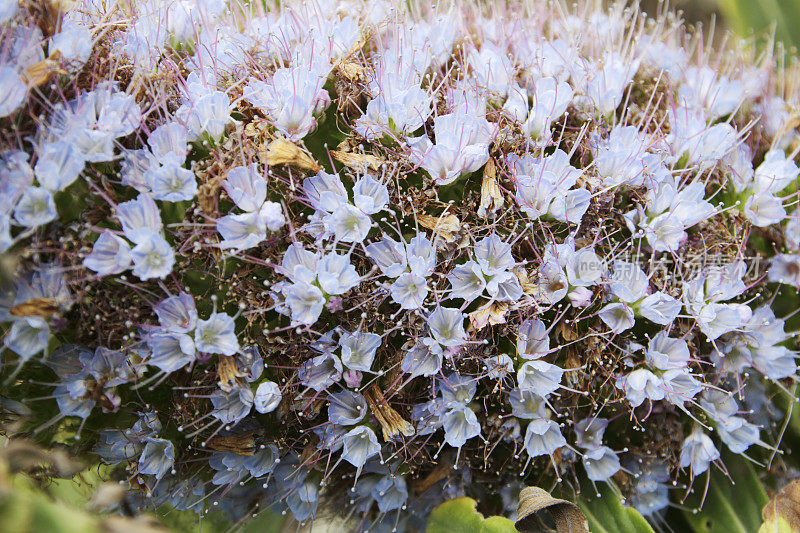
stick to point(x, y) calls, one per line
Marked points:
point(359, 258)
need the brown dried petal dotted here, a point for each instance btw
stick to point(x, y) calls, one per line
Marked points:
point(227, 371)
point(489, 315)
point(283, 152)
point(40, 307)
point(356, 160)
point(351, 71)
point(528, 287)
point(446, 226)
point(392, 424)
point(491, 197)
point(568, 516)
point(45, 70)
point(242, 444)
point(785, 505)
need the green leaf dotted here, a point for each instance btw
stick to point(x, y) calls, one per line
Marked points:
point(729, 507)
point(24, 510)
point(607, 514)
point(761, 15)
point(782, 513)
point(778, 525)
point(462, 516)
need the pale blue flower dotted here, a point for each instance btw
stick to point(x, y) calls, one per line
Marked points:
point(409, 290)
point(170, 182)
point(641, 384)
point(241, 231)
point(6, 240)
point(157, 457)
point(170, 351)
point(216, 335)
point(206, 110)
point(348, 223)
point(335, 273)
point(666, 353)
point(305, 302)
point(58, 164)
point(358, 349)
point(422, 360)
point(467, 281)
point(539, 377)
point(246, 187)
point(462, 147)
point(35, 208)
point(533, 341)
point(617, 316)
point(169, 139)
point(13, 90)
point(346, 408)
point(290, 99)
point(504, 287)
point(526, 404)
point(390, 493)
point(550, 100)
point(325, 191)
point(177, 313)
point(601, 463)
point(27, 337)
point(460, 424)
point(320, 372)
point(110, 254)
point(359, 444)
point(543, 437)
point(457, 389)
point(370, 195)
point(233, 406)
point(152, 256)
point(698, 452)
point(268, 397)
point(139, 218)
point(263, 461)
point(446, 326)
point(776, 362)
point(493, 255)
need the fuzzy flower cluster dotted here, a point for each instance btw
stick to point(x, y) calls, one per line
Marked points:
point(358, 258)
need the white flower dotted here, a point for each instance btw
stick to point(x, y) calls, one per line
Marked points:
point(550, 100)
point(462, 147)
point(13, 90)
